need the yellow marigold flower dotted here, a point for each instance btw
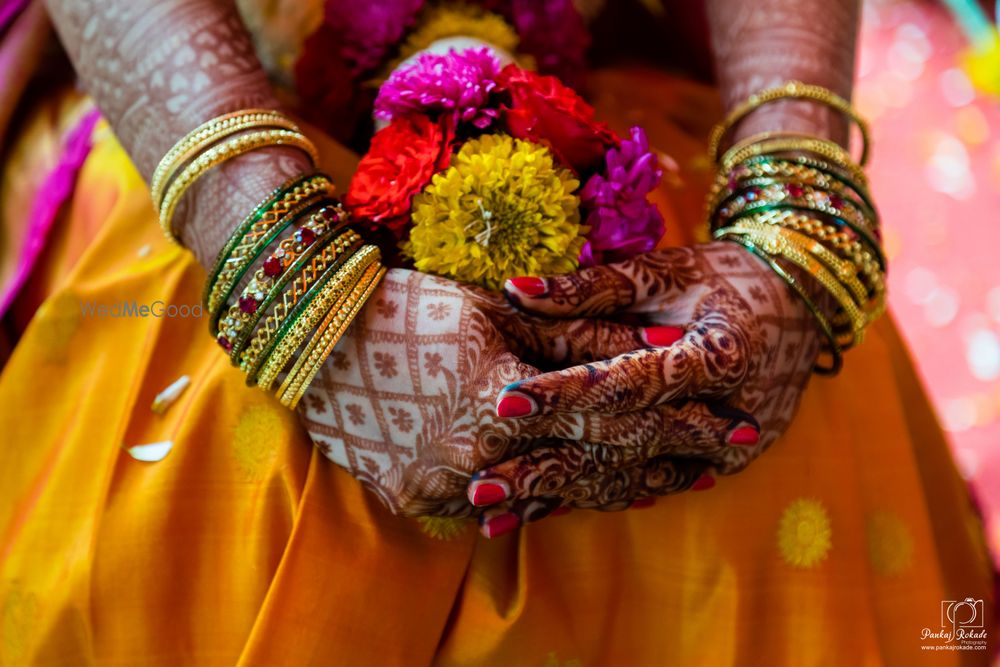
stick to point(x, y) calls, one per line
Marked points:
point(458, 20)
point(502, 209)
point(804, 533)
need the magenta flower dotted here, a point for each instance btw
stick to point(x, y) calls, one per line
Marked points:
point(459, 82)
point(369, 29)
point(622, 222)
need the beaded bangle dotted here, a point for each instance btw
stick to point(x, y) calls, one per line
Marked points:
point(219, 154)
point(790, 90)
point(803, 198)
point(329, 299)
point(821, 321)
point(309, 263)
point(269, 278)
point(799, 187)
point(257, 232)
point(209, 133)
point(252, 363)
point(298, 382)
point(792, 168)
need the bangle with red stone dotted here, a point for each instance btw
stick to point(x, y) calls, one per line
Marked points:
point(267, 282)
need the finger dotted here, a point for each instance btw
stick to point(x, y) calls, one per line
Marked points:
point(611, 288)
point(578, 341)
point(632, 488)
point(710, 361)
point(611, 442)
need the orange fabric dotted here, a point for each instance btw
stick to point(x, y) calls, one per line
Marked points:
point(245, 546)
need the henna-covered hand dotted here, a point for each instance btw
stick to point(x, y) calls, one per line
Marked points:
point(736, 351)
point(407, 400)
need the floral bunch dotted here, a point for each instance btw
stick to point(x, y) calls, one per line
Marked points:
point(360, 41)
point(485, 172)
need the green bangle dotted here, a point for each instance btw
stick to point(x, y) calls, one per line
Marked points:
point(300, 308)
point(277, 288)
point(821, 321)
point(818, 165)
point(244, 228)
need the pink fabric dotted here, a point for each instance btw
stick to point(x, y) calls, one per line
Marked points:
point(52, 193)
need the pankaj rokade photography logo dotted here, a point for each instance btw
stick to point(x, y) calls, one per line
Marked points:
point(963, 627)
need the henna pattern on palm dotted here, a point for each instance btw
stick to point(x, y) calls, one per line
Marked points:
point(743, 363)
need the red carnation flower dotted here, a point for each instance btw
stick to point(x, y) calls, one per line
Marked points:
point(545, 111)
point(400, 163)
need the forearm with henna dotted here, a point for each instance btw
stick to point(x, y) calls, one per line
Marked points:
point(159, 69)
point(763, 43)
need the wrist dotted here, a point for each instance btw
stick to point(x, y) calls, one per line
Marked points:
point(215, 203)
point(795, 116)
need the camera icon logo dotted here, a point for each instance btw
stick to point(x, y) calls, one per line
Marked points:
point(967, 613)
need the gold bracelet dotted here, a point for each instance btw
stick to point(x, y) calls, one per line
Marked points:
point(835, 191)
point(329, 301)
point(841, 241)
point(220, 153)
point(790, 90)
point(208, 133)
point(291, 396)
point(261, 230)
point(783, 248)
point(827, 150)
point(844, 270)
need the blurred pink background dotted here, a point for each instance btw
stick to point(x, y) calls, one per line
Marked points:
point(936, 175)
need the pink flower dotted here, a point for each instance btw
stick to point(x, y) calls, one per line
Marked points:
point(459, 82)
point(622, 222)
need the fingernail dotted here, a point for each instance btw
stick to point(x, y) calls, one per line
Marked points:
point(500, 524)
point(747, 436)
point(706, 481)
point(662, 336)
point(642, 503)
point(559, 511)
point(513, 405)
point(527, 285)
point(487, 493)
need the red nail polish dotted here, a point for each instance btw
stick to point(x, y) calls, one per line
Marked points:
point(488, 493)
point(642, 503)
point(500, 524)
point(744, 435)
point(528, 285)
point(559, 511)
point(706, 481)
point(515, 406)
point(662, 336)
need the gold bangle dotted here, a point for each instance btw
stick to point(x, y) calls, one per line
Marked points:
point(297, 326)
point(796, 188)
point(220, 153)
point(334, 294)
point(297, 388)
point(782, 247)
point(789, 90)
point(208, 133)
point(794, 144)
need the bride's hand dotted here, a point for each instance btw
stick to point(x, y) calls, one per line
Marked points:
point(737, 345)
point(407, 400)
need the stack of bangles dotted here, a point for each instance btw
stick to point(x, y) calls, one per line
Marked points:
point(293, 275)
point(802, 205)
